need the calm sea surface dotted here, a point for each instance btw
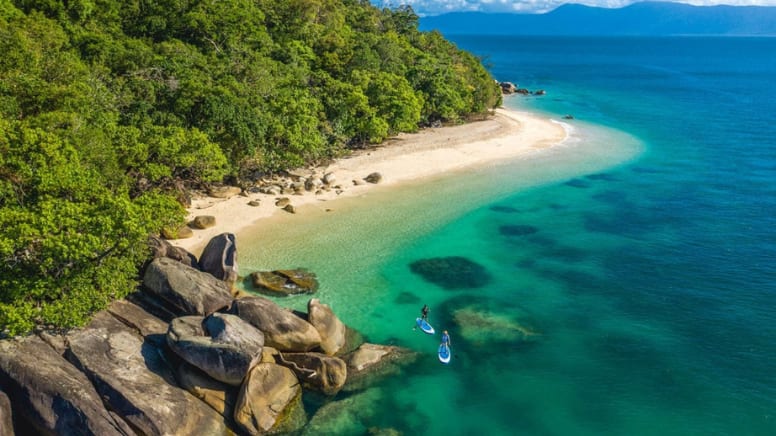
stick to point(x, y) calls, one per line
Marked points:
point(623, 283)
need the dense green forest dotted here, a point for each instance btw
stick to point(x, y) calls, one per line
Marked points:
point(110, 109)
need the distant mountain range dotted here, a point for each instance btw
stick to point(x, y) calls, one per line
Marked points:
point(646, 18)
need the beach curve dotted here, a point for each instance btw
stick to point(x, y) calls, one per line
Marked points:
point(506, 135)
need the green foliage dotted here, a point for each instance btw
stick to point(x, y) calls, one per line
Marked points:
point(108, 108)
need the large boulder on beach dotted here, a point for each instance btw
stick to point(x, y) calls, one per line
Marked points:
point(161, 248)
point(285, 281)
point(223, 346)
point(270, 400)
point(224, 191)
point(453, 272)
point(326, 374)
point(374, 178)
point(333, 332)
point(187, 290)
point(50, 394)
point(281, 327)
point(203, 222)
point(132, 377)
point(219, 258)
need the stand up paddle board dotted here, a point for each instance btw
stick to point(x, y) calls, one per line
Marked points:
point(444, 353)
point(424, 325)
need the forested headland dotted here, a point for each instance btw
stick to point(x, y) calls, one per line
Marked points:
point(111, 109)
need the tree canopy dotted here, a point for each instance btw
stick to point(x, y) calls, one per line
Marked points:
point(109, 107)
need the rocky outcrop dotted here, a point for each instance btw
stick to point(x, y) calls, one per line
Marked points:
point(317, 371)
point(50, 394)
point(161, 248)
point(269, 400)
point(220, 396)
point(6, 418)
point(282, 328)
point(285, 282)
point(134, 380)
point(370, 362)
point(508, 87)
point(137, 318)
point(188, 291)
point(333, 332)
point(219, 258)
point(223, 346)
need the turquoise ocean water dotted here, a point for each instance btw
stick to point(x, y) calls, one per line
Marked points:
point(627, 278)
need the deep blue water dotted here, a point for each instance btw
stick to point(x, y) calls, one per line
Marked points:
point(696, 215)
point(636, 298)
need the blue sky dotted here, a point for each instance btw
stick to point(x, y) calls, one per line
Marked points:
point(435, 7)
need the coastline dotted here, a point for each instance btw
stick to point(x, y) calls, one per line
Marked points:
point(507, 135)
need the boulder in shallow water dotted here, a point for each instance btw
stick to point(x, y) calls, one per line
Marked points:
point(346, 416)
point(223, 346)
point(454, 272)
point(281, 327)
point(371, 362)
point(188, 291)
point(479, 325)
point(270, 400)
point(333, 332)
point(285, 281)
point(326, 374)
point(219, 258)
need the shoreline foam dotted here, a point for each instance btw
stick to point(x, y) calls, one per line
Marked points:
point(431, 152)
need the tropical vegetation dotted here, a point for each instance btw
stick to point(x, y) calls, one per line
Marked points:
point(111, 109)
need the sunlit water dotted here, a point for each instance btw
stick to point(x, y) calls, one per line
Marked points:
point(627, 276)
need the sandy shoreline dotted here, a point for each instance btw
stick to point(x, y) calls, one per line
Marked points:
point(434, 151)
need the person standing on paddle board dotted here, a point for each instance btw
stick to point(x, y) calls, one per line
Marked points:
point(445, 339)
point(424, 312)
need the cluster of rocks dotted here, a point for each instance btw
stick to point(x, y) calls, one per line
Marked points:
point(280, 186)
point(184, 355)
point(299, 183)
point(511, 88)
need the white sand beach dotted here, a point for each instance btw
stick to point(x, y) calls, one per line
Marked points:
point(409, 157)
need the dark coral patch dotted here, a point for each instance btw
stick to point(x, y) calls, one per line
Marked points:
point(517, 230)
point(578, 183)
point(606, 177)
point(407, 298)
point(454, 272)
point(504, 209)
